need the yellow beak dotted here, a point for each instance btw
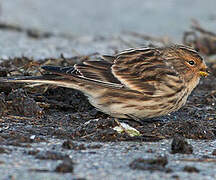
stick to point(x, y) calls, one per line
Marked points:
point(203, 73)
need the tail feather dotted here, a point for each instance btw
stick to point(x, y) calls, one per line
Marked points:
point(72, 74)
point(64, 77)
point(27, 78)
point(59, 70)
point(51, 79)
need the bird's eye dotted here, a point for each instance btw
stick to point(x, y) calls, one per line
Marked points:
point(191, 62)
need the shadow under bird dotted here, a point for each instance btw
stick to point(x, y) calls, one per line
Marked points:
point(134, 84)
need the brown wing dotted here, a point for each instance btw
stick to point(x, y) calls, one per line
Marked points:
point(103, 70)
point(145, 70)
point(97, 70)
point(141, 70)
point(93, 72)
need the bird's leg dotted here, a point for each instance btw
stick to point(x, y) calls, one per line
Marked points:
point(117, 122)
point(134, 118)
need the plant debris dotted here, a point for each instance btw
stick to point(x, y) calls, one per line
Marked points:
point(214, 152)
point(67, 166)
point(50, 155)
point(201, 39)
point(191, 169)
point(32, 33)
point(72, 145)
point(20, 104)
point(150, 164)
point(180, 145)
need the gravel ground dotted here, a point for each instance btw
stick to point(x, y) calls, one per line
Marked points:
point(111, 161)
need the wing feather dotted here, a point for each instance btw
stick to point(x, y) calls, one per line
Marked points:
point(97, 70)
point(142, 70)
point(145, 70)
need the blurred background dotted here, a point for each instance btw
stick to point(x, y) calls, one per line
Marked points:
point(70, 19)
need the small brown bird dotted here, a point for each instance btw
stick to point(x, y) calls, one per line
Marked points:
point(135, 84)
